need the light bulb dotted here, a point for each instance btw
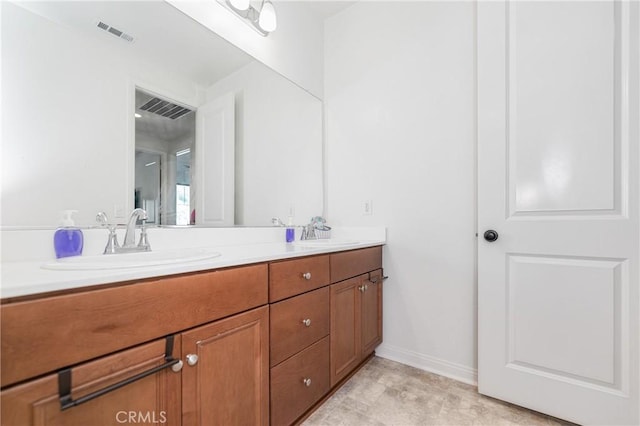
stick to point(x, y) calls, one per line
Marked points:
point(267, 20)
point(240, 4)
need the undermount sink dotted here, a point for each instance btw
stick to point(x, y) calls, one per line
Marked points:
point(326, 242)
point(132, 260)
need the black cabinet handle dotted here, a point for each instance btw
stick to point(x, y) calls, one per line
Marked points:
point(64, 380)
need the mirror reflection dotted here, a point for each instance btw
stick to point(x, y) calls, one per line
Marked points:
point(165, 140)
point(70, 139)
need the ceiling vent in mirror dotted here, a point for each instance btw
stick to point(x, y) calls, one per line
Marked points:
point(114, 31)
point(164, 108)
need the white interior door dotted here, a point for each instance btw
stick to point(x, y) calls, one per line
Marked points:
point(215, 162)
point(558, 126)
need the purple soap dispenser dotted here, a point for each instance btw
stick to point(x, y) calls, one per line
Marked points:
point(68, 239)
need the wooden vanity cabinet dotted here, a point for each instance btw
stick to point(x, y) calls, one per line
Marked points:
point(219, 316)
point(243, 361)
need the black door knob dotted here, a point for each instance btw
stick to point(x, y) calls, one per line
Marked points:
point(490, 235)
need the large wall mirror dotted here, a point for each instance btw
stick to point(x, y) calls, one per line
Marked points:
point(74, 76)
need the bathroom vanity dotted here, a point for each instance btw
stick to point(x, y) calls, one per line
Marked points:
point(256, 343)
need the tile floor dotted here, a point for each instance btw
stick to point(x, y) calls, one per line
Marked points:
point(385, 392)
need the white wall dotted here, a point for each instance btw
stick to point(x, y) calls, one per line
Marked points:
point(67, 104)
point(284, 162)
point(399, 108)
point(294, 49)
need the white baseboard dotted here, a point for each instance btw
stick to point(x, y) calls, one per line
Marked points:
point(449, 369)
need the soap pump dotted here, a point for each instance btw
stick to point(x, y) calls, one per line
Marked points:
point(290, 233)
point(68, 239)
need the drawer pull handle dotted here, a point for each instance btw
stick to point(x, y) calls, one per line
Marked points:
point(192, 359)
point(307, 382)
point(306, 275)
point(306, 322)
point(64, 380)
point(361, 288)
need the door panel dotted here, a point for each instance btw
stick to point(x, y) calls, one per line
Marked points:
point(558, 128)
point(229, 382)
point(576, 295)
point(560, 92)
point(346, 343)
point(371, 313)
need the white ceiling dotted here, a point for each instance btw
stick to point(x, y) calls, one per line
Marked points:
point(327, 8)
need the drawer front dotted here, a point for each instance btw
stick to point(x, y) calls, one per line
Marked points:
point(297, 276)
point(299, 382)
point(39, 336)
point(348, 264)
point(156, 397)
point(298, 322)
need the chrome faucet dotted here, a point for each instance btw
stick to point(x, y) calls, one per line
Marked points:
point(130, 235)
point(309, 232)
point(129, 244)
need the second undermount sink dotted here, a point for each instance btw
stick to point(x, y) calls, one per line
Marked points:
point(132, 260)
point(325, 243)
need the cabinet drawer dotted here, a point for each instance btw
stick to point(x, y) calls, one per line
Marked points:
point(348, 264)
point(292, 277)
point(291, 393)
point(298, 322)
point(40, 336)
point(154, 398)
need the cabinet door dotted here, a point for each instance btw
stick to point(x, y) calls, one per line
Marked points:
point(345, 327)
point(371, 313)
point(154, 399)
point(228, 382)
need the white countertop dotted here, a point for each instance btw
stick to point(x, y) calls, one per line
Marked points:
point(27, 277)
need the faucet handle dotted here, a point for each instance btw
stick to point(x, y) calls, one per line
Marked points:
point(112, 243)
point(101, 218)
point(143, 244)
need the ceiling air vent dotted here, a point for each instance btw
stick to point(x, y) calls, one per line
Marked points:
point(164, 108)
point(114, 31)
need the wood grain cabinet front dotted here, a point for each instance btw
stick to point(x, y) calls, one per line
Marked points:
point(43, 335)
point(298, 322)
point(356, 322)
point(225, 379)
point(154, 399)
point(299, 382)
point(292, 277)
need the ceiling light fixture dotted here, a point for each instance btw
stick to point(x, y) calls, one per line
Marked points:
point(258, 14)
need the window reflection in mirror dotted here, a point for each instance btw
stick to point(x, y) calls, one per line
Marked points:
point(165, 141)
